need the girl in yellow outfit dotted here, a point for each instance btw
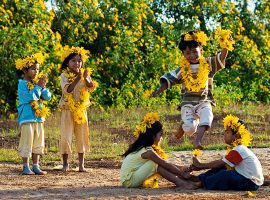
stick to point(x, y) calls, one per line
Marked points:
point(76, 85)
point(144, 158)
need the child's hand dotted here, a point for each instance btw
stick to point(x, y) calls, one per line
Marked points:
point(85, 73)
point(155, 93)
point(79, 74)
point(42, 81)
point(196, 163)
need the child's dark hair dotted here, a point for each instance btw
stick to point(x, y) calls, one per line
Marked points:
point(67, 59)
point(145, 139)
point(20, 73)
point(191, 44)
point(242, 123)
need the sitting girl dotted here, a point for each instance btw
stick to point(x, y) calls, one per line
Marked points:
point(143, 158)
point(240, 169)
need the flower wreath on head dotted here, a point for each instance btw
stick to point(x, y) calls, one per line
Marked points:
point(28, 61)
point(198, 36)
point(245, 139)
point(148, 120)
point(78, 50)
point(232, 122)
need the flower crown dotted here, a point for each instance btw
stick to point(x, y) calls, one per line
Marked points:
point(78, 50)
point(148, 120)
point(232, 122)
point(28, 61)
point(198, 36)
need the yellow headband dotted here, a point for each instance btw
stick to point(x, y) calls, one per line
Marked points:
point(232, 122)
point(148, 120)
point(199, 36)
point(78, 50)
point(28, 61)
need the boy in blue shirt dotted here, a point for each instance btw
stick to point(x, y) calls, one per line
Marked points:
point(32, 93)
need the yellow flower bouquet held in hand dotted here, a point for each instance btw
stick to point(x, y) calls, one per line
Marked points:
point(224, 38)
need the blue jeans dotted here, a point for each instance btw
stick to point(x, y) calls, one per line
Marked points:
point(222, 179)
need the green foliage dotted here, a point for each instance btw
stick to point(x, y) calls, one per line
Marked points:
point(133, 43)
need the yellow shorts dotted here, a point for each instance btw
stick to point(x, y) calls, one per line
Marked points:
point(32, 139)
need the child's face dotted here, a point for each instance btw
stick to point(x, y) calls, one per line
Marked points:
point(75, 64)
point(158, 138)
point(229, 137)
point(31, 72)
point(193, 54)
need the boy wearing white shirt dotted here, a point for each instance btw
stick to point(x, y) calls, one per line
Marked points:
point(239, 169)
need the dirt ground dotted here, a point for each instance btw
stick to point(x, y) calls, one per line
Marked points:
point(102, 182)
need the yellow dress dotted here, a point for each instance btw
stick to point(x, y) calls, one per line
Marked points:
point(68, 125)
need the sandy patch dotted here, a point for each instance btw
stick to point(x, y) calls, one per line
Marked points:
point(102, 182)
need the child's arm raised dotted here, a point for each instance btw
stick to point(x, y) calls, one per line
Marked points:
point(151, 155)
point(210, 165)
point(223, 55)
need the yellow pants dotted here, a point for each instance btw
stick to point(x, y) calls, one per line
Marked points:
point(32, 139)
point(68, 128)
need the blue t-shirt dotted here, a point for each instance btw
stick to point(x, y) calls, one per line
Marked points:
point(25, 112)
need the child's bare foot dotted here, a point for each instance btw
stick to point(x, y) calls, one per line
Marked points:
point(197, 145)
point(189, 186)
point(65, 168)
point(82, 169)
point(179, 132)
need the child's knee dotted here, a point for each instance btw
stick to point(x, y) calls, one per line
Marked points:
point(189, 128)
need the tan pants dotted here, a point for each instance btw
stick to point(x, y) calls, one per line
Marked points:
point(32, 139)
point(68, 128)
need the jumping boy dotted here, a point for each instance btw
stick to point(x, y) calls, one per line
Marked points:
point(196, 76)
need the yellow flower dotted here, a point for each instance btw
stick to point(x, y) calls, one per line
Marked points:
point(198, 36)
point(201, 37)
point(151, 182)
point(147, 94)
point(78, 50)
point(28, 61)
point(224, 38)
point(79, 107)
point(188, 37)
point(196, 152)
point(200, 82)
point(250, 194)
point(30, 85)
point(148, 120)
point(245, 139)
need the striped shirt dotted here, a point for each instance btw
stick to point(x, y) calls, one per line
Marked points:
point(205, 94)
